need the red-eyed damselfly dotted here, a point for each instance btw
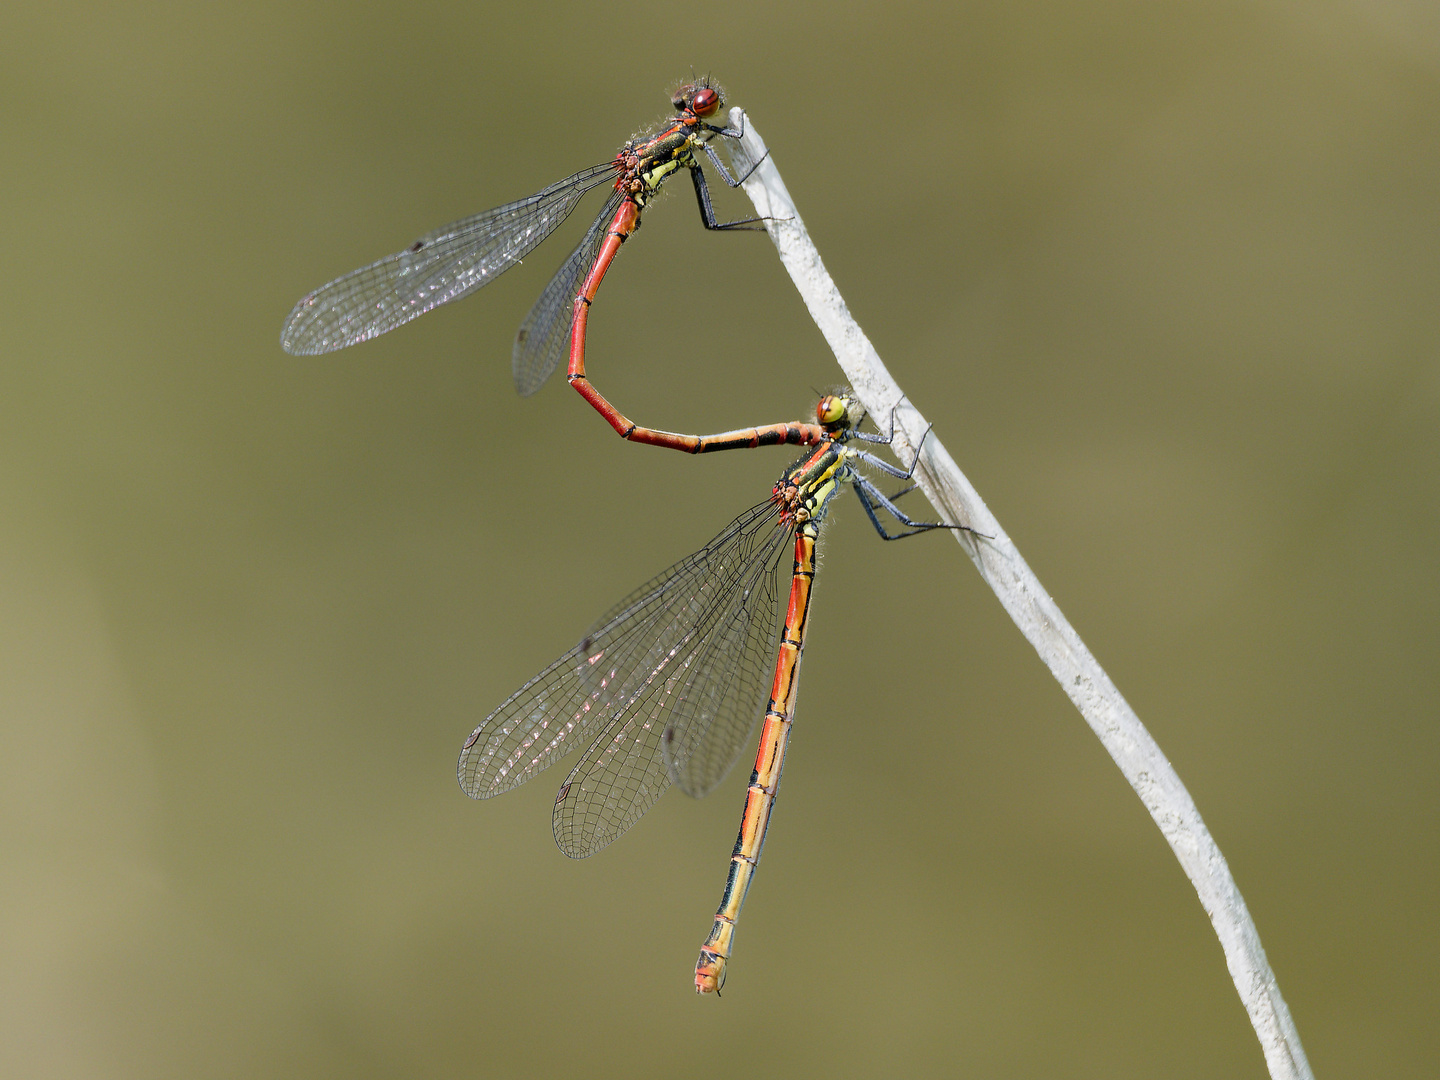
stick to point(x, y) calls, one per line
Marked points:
point(461, 257)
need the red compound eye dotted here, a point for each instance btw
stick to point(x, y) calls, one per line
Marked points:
point(706, 102)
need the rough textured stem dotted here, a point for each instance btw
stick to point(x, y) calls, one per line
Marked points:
point(1035, 613)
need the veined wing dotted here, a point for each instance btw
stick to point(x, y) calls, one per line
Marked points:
point(700, 694)
point(716, 713)
point(543, 335)
point(567, 703)
point(626, 664)
point(441, 266)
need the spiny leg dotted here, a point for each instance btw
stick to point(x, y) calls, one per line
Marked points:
point(731, 133)
point(871, 496)
point(707, 212)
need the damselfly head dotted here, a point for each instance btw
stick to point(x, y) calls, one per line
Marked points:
point(836, 412)
point(698, 97)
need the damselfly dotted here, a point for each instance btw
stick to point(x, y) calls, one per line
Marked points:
point(454, 261)
point(668, 684)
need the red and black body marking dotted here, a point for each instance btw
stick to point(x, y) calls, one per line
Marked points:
point(454, 261)
point(642, 167)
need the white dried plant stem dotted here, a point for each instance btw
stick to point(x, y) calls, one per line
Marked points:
point(1034, 612)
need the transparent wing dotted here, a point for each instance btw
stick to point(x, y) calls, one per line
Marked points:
point(629, 656)
point(703, 694)
point(707, 732)
point(441, 266)
point(542, 337)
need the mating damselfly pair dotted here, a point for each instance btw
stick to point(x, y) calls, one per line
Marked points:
point(667, 685)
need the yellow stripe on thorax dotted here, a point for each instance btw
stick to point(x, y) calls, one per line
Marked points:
point(821, 478)
point(653, 177)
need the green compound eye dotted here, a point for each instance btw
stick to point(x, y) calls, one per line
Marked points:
point(832, 409)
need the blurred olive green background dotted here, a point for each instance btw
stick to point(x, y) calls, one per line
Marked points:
point(1165, 278)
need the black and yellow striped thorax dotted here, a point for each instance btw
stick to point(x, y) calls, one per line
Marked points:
point(644, 163)
point(804, 491)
